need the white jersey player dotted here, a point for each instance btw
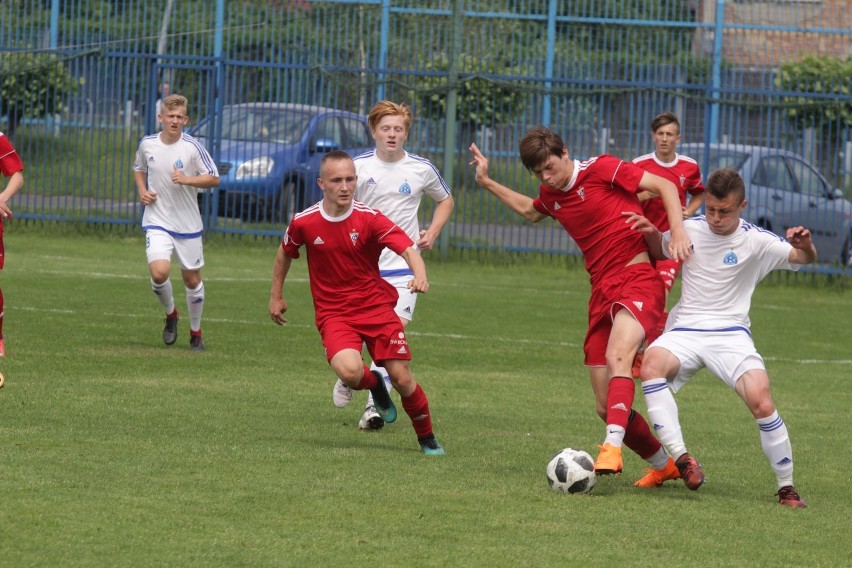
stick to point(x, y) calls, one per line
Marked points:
point(393, 181)
point(171, 168)
point(710, 326)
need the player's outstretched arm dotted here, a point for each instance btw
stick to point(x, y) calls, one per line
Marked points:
point(440, 217)
point(419, 284)
point(652, 235)
point(277, 304)
point(517, 202)
point(804, 251)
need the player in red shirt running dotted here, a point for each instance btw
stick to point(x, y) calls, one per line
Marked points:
point(682, 171)
point(589, 198)
point(11, 167)
point(354, 305)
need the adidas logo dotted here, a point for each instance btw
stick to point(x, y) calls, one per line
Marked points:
point(638, 305)
point(371, 181)
point(319, 241)
point(402, 350)
point(658, 426)
point(556, 207)
point(619, 406)
point(785, 461)
point(407, 309)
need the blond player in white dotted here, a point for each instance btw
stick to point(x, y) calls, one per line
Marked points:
point(710, 325)
point(394, 181)
point(171, 168)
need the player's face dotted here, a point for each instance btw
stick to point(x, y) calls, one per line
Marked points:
point(556, 172)
point(723, 215)
point(666, 139)
point(174, 120)
point(390, 134)
point(337, 181)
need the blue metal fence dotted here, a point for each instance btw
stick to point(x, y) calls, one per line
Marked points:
point(473, 70)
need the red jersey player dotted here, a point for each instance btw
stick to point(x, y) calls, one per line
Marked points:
point(11, 167)
point(682, 171)
point(589, 198)
point(354, 305)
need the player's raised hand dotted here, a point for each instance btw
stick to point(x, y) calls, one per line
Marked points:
point(799, 237)
point(480, 162)
point(638, 222)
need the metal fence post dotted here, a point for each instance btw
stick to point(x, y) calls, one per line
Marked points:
point(450, 129)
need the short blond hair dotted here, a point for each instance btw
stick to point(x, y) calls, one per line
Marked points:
point(389, 108)
point(175, 101)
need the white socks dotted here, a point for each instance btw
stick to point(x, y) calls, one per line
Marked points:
point(165, 295)
point(663, 415)
point(776, 445)
point(195, 305)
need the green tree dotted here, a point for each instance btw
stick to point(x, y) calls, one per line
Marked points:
point(33, 85)
point(827, 76)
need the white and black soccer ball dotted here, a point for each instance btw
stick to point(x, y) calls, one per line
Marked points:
point(571, 471)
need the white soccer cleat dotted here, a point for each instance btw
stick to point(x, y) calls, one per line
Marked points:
point(371, 420)
point(341, 395)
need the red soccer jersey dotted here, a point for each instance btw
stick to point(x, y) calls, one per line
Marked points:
point(590, 209)
point(683, 172)
point(10, 162)
point(343, 260)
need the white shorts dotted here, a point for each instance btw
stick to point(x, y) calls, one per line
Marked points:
point(159, 245)
point(726, 354)
point(406, 301)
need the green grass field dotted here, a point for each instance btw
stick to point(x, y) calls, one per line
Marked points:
point(116, 450)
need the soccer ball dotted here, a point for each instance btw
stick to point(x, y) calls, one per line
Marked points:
point(571, 471)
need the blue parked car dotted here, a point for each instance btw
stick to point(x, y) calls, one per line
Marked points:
point(783, 190)
point(270, 153)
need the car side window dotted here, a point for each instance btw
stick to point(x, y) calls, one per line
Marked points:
point(772, 172)
point(329, 129)
point(810, 183)
point(356, 133)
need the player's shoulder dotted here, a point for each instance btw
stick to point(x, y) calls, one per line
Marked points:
point(686, 159)
point(307, 213)
point(364, 156)
point(361, 208)
point(757, 232)
point(644, 158)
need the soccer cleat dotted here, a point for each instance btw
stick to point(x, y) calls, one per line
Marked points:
point(656, 477)
point(382, 400)
point(609, 460)
point(690, 471)
point(196, 343)
point(787, 495)
point(2, 348)
point(170, 331)
point(430, 446)
point(341, 395)
point(371, 419)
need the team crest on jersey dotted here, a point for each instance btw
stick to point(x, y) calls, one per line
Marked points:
point(179, 164)
point(353, 234)
point(730, 258)
point(581, 191)
point(405, 189)
point(682, 180)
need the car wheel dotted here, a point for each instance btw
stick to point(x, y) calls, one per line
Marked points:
point(846, 251)
point(287, 203)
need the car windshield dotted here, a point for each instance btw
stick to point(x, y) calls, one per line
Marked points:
point(719, 158)
point(283, 126)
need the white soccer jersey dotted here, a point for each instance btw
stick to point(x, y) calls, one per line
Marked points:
point(176, 208)
point(396, 189)
point(720, 276)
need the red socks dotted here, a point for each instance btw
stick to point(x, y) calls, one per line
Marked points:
point(417, 408)
point(638, 437)
point(619, 401)
point(368, 380)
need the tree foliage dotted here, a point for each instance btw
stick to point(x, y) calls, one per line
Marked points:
point(33, 85)
point(821, 76)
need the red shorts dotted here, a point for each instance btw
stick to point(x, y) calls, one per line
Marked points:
point(384, 338)
point(668, 270)
point(637, 289)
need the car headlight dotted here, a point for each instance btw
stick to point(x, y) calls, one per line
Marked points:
point(255, 168)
